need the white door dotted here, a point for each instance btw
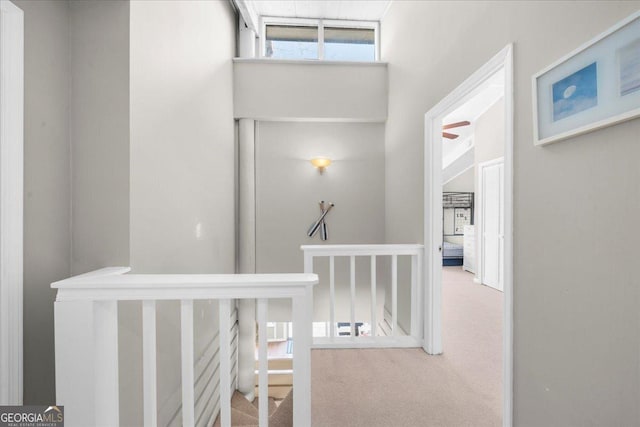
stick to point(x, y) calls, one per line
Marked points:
point(492, 224)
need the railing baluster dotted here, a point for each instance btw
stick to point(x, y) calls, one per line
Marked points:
point(420, 304)
point(374, 323)
point(415, 314)
point(394, 295)
point(263, 364)
point(105, 358)
point(186, 326)
point(409, 335)
point(332, 297)
point(353, 296)
point(149, 363)
point(225, 362)
point(302, 333)
point(86, 328)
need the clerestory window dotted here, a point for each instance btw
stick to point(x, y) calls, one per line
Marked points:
point(319, 39)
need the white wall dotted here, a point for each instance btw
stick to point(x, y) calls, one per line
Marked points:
point(77, 156)
point(76, 160)
point(182, 175)
point(462, 163)
point(47, 194)
point(465, 182)
point(288, 190)
point(576, 303)
point(182, 139)
point(308, 90)
point(489, 134)
point(99, 133)
point(99, 138)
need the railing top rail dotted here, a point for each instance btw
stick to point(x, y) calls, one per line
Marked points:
point(363, 250)
point(112, 284)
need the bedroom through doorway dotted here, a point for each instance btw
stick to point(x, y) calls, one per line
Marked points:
point(473, 185)
point(473, 143)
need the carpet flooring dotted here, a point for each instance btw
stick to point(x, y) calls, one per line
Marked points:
point(407, 387)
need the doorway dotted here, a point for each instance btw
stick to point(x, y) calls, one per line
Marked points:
point(501, 240)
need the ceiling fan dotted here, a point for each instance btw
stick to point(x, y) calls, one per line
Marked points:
point(451, 126)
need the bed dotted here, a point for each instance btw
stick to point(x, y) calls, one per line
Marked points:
point(452, 254)
point(457, 212)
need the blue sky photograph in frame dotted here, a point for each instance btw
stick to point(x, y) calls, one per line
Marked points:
point(575, 93)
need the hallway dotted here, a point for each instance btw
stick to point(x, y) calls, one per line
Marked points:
point(407, 387)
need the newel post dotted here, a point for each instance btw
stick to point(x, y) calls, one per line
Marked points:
point(105, 354)
point(86, 359)
point(302, 337)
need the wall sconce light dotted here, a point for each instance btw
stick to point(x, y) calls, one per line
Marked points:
point(320, 163)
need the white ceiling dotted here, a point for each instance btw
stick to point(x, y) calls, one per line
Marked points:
point(357, 10)
point(487, 95)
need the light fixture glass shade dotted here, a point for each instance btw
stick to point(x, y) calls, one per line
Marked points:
point(320, 162)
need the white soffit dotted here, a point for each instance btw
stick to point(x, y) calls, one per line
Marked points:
point(355, 10)
point(486, 96)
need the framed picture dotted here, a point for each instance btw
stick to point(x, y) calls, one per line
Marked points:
point(596, 85)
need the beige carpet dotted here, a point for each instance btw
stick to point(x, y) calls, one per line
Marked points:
point(407, 387)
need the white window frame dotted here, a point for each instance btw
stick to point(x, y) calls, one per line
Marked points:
point(321, 24)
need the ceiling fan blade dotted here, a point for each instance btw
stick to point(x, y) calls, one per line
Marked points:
point(456, 125)
point(449, 135)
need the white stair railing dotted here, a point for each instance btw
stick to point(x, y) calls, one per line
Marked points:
point(86, 341)
point(414, 338)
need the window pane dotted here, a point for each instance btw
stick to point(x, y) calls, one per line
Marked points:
point(291, 42)
point(349, 44)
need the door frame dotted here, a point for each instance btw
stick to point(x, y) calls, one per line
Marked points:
point(433, 214)
point(479, 208)
point(11, 201)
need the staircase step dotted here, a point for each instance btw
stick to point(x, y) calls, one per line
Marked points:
point(279, 363)
point(272, 405)
point(239, 418)
point(280, 379)
point(279, 415)
point(240, 403)
point(283, 416)
point(278, 392)
point(384, 328)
